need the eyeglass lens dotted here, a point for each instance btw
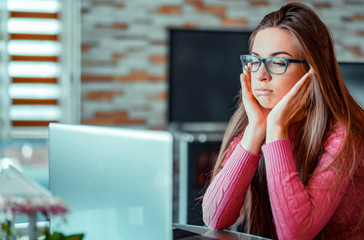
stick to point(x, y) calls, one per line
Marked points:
point(275, 65)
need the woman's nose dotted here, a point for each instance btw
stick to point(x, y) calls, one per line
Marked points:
point(262, 74)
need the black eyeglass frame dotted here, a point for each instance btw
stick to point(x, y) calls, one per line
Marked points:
point(287, 61)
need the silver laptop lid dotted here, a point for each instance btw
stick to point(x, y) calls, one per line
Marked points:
point(117, 181)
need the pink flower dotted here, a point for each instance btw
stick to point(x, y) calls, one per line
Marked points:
point(48, 206)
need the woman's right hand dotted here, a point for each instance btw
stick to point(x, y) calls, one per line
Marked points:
point(255, 132)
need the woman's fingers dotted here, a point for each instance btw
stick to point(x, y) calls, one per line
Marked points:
point(245, 85)
point(302, 84)
point(292, 107)
point(306, 88)
point(299, 95)
point(246, 78)
point(247, 95)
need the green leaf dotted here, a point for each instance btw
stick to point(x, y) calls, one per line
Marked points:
point(56, 236)
point(74, 237)
point(60, 236)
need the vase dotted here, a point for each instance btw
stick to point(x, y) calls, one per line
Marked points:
point(32, 227)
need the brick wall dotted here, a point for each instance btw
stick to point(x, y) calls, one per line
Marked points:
point(124, 48)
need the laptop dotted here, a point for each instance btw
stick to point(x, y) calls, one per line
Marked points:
point(116, 181)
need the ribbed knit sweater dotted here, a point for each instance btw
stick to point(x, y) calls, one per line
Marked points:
point(299, 212)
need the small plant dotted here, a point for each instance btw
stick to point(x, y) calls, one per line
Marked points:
point(48, 206)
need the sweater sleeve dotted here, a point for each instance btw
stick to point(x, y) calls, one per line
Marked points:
point(301, 212)
point(225, 196)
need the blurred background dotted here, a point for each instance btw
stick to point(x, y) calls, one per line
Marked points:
point(112, 62)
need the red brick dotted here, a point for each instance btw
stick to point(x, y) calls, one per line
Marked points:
point(156, 59)
point(259, 3)
point(354, 18)
point(158, 42)
point(358, 17)
point(214, 10)
point(119, 5)
point(160, 78)
point(135, 75)
point(234, 21)
point(355, 50)
point(100, 2)
point(138, 75)
point(116, 57)
point(322, 5)
point(159, 127)
point(141, 75)
point(113, 118)
point(113, 114)
point(95, 78)
point(195, 2)
point(162, 96)
point(102, 95)
point(119, 26)
point(85, 47)
point(169, 9)
point(190, 25)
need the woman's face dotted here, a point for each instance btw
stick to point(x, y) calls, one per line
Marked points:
point(268, 88)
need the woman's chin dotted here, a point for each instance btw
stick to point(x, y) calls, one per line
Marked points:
point(266, 102)
point(266, 105)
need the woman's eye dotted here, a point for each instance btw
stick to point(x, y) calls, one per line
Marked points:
point(279, 63)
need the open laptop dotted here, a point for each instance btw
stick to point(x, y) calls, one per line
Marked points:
point(116, 181)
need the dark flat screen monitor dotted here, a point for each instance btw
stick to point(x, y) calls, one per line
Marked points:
point(204, 70)
point(353, 74)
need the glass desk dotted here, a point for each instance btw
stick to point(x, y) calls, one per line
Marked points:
point(192, 232)
point(180, 232)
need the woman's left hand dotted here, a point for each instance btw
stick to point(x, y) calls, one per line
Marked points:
point(290, 109)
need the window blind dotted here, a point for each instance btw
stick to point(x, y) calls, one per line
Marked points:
point(38, 88)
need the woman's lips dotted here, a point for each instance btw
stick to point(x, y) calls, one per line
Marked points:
point(263, 91)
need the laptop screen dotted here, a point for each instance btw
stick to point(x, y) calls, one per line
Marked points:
point(116, 181)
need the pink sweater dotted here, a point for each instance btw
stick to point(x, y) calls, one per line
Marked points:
point(299, 212)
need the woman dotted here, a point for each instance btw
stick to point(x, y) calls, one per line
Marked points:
point(291, 161)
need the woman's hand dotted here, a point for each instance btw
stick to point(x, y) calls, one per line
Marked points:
point(290, 109)
point(254, 133)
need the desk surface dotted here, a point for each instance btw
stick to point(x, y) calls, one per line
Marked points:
point(203, 233)
point(206, 233)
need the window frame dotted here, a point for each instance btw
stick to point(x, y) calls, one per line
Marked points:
point(69, 80)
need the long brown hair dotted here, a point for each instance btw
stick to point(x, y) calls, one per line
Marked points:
point(330, 103)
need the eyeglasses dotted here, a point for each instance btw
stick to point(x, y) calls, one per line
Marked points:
point(274, 65)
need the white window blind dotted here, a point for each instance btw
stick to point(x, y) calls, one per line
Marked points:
point(40, 85)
